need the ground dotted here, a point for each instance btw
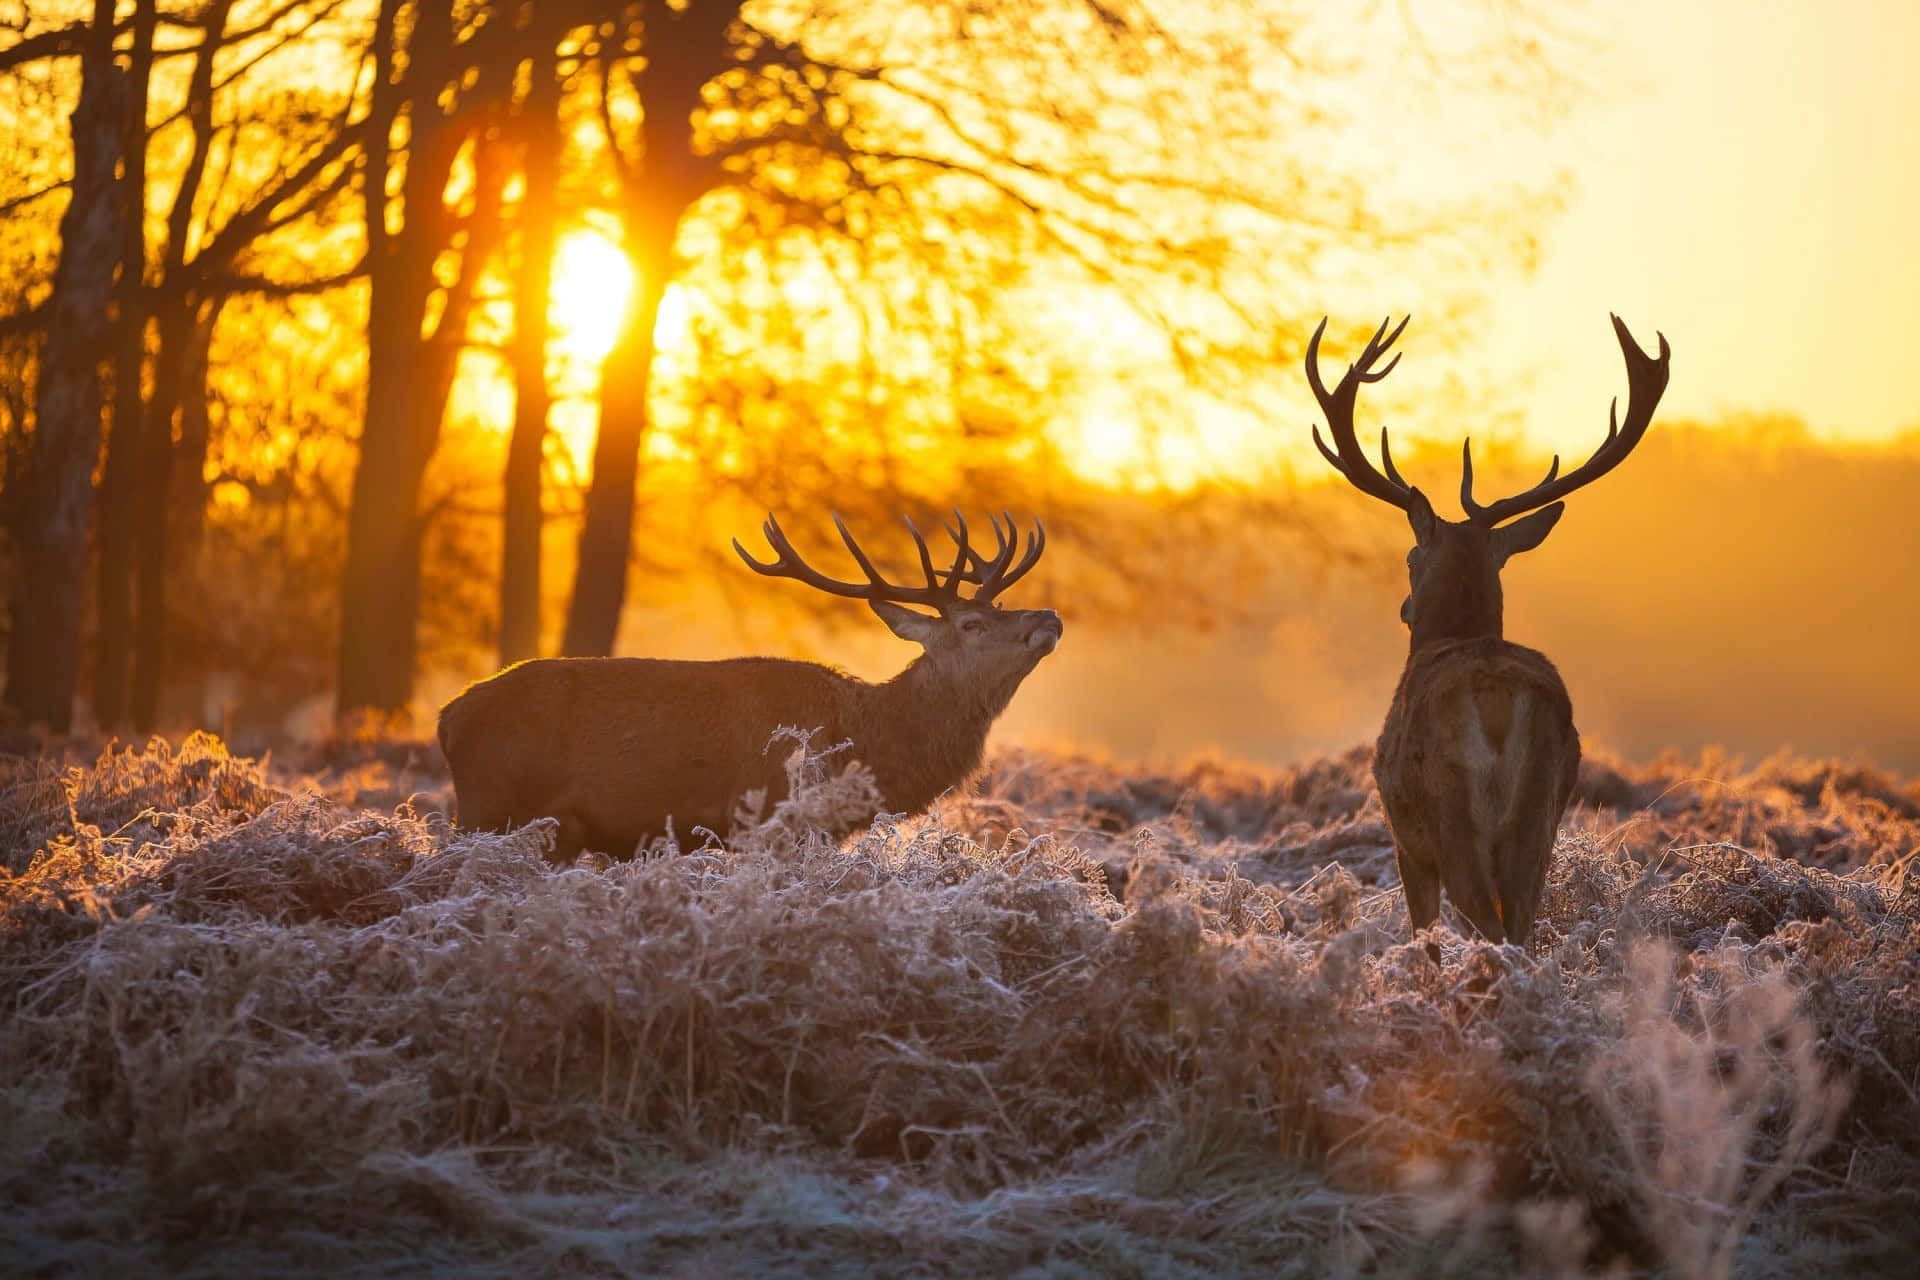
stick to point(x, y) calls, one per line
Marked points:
point(279, 1016)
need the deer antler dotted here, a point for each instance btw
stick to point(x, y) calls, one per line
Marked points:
point(991, 573)
point(1346, 455)
point(1646, 382)
point(942, 589)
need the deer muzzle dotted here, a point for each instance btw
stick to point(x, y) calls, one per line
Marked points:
point(1046, 631)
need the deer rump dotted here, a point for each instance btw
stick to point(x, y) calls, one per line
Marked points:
point(1475, 764)
point(613, 747)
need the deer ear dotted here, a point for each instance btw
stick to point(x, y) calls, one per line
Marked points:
point(922, 629)
point(1420, 516)
point(1526, 533)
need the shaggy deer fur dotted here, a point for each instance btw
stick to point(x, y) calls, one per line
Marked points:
point(1478, 754)
point(614, 748)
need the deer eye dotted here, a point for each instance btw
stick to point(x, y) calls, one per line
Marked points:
point(973, 624)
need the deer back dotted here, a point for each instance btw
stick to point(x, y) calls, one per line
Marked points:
point(613, 746)
point(1475, 764)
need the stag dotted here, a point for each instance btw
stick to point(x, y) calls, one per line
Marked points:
point(614, 748)
point(1478, 755)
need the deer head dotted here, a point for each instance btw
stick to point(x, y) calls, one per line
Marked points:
point(969, 637)
point(1454, 566)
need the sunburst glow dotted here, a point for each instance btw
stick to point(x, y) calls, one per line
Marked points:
point(592, 281)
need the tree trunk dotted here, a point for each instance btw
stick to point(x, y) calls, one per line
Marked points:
point(685, 48)
point(50, 599)
point(379, 590)
point(600, 576)
point(120, 475)
point(410, 380)
point(188, 518)
point(180, 379)
point(522, 518)
point(150, 516)
point(174, 323)
point(379, 586)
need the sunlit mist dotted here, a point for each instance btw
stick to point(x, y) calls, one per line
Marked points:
point(592, 280)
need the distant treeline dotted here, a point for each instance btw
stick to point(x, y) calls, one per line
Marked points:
point(1739, 583)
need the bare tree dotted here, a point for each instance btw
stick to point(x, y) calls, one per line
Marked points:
point(522, 518)
point(153, 495)
point(944, 163)
point(120, 479)
point(50, 593)
point(948, 161)
point(667, 54)
point(414, 328)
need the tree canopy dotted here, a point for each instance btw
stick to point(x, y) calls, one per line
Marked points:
point(882, 257)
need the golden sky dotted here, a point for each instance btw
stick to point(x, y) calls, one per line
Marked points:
point(1747, 174)
point(1740, 174)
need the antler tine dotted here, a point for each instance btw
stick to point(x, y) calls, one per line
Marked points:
point(787, 563)
point(1376, 348)
point(991, 575)
point(920, 545)
point(859, 556)
point(1646, 383)
point(1313, 365)
point(1346, 456)
point(1003, 570)
point(1386, 456)
point(978, 565)
point(1002, 577)
point(1005, 543)
point(1467, 503)
point(962, 552)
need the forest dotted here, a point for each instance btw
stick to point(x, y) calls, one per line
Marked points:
point(352, 351)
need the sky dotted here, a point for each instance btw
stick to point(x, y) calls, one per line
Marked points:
point(1747, 180)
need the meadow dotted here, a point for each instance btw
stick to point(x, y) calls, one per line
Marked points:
point(278, 1015)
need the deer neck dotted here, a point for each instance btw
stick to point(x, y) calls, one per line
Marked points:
point(1470, 608)
point(926, 729)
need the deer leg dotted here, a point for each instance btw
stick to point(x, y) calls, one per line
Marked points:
point(1483, 913)
point(1521, 861)
point(1518, 907)
point(1471, 884)
point(1420, 880)
point(1520, 872)
point(1525, 849)
point(477, 812)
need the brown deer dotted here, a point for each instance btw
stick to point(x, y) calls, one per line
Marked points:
point(615, 747)
point(1478, 754)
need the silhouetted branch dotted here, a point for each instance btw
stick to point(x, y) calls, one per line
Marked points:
point(9, 207)
point(31, 320)
point(260, 217)
point(240, 282)
point(65, 42)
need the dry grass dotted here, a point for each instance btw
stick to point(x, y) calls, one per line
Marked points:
point(282, 1017)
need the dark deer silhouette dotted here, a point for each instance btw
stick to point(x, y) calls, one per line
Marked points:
point(615, 747)
point(1478, 754)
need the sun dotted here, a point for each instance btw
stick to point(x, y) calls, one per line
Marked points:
point(592, 281)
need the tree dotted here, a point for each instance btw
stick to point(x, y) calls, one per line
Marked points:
point(949, 164)
point(668, 53)
point(178, 320)
point(50, 592)
point(222, 211)
point(120, 480)
point(948, 179)
point(411, 350)
point(522, 517)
